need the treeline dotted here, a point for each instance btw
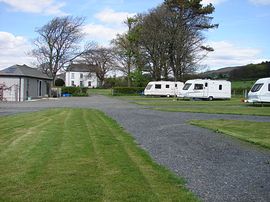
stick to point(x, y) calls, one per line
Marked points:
point(241, 73)
point(250, 72)
point(167, 42)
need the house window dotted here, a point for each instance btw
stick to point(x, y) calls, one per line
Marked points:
point(81, 84)
point(157, 86)
point(89, 83)
point(81, 76)
point(167, 86)
point(269, 87)
point(72, 75)
point(198, 86)
point(72, 83)
point(206, 84)
point(175, 85)
point(220, 87)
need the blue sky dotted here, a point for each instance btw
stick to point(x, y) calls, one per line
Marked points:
point(242, 36)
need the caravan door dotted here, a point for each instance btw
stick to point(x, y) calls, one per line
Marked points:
point(206, 90)
point(265, 94)
point(198, 90)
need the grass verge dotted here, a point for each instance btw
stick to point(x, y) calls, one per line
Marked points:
point(78, 155)
point(254, 132)
point(233, 106)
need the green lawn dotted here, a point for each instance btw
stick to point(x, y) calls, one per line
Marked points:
point(78, 155)
point(233, 106)
point(254, 132)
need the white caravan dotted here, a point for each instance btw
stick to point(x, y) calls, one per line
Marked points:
point(163, 88)
point(206, 89)
point(260, 92)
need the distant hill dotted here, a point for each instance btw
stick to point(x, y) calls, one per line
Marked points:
point(244, 73)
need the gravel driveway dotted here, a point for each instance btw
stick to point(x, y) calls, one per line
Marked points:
point(216, 167)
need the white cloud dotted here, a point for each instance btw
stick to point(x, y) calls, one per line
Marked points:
point(112, 23)
point(215, 2)
point(47, 7)
point(227, 54)
point(260, 2)
point(110, 16)
point(13, 50)
point(102, 33)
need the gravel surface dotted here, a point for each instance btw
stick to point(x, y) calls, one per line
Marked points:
point(216, 167)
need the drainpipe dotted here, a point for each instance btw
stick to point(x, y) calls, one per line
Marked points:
point(20, 86)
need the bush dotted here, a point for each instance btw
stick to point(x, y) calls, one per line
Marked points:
point(128, 90)
point(84, 90)
point(75, 91)
point(59, 82)
point(240, 91)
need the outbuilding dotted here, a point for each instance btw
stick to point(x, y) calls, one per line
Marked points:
point(21, 82)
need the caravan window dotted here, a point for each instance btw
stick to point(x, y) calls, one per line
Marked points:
point(187, 85)
point(256, 87)
point(206, 84)
point(198, 86)
point(148, 87)
point(175, 85)
point(167, 86)
point(269, 87)
point(220, 87)
point(158, 86)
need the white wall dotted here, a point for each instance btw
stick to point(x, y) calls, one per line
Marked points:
point(12, 91)
point(77, 79)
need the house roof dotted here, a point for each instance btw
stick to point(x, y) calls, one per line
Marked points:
point(81, 67)
point(23, 71)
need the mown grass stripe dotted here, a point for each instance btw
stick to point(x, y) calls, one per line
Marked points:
point(82, 155)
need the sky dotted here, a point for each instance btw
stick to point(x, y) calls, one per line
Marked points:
point(243, 36)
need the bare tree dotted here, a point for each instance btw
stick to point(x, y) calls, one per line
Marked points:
point(101, 61)
point(58, 44)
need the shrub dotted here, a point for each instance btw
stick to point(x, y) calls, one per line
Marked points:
point(75, 91)
point(240, 91)
point(84, 90)
point(128, 90)
point(59, 82)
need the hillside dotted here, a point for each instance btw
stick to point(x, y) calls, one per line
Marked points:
point(246, 72)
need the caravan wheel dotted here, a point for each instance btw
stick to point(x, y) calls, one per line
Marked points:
point(210, 98)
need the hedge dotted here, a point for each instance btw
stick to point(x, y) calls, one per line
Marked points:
point(75, 91)
point(239, 91)
point(127, 91)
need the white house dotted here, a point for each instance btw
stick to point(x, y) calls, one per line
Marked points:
point(20, 82)
point(79, 75)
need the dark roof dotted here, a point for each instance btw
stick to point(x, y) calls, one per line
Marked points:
point(23, 71)
point(80, 67)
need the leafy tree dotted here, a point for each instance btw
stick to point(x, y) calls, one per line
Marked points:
point(59, 82)
point(124, 50)
point(169, 38)
point(139, 79)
